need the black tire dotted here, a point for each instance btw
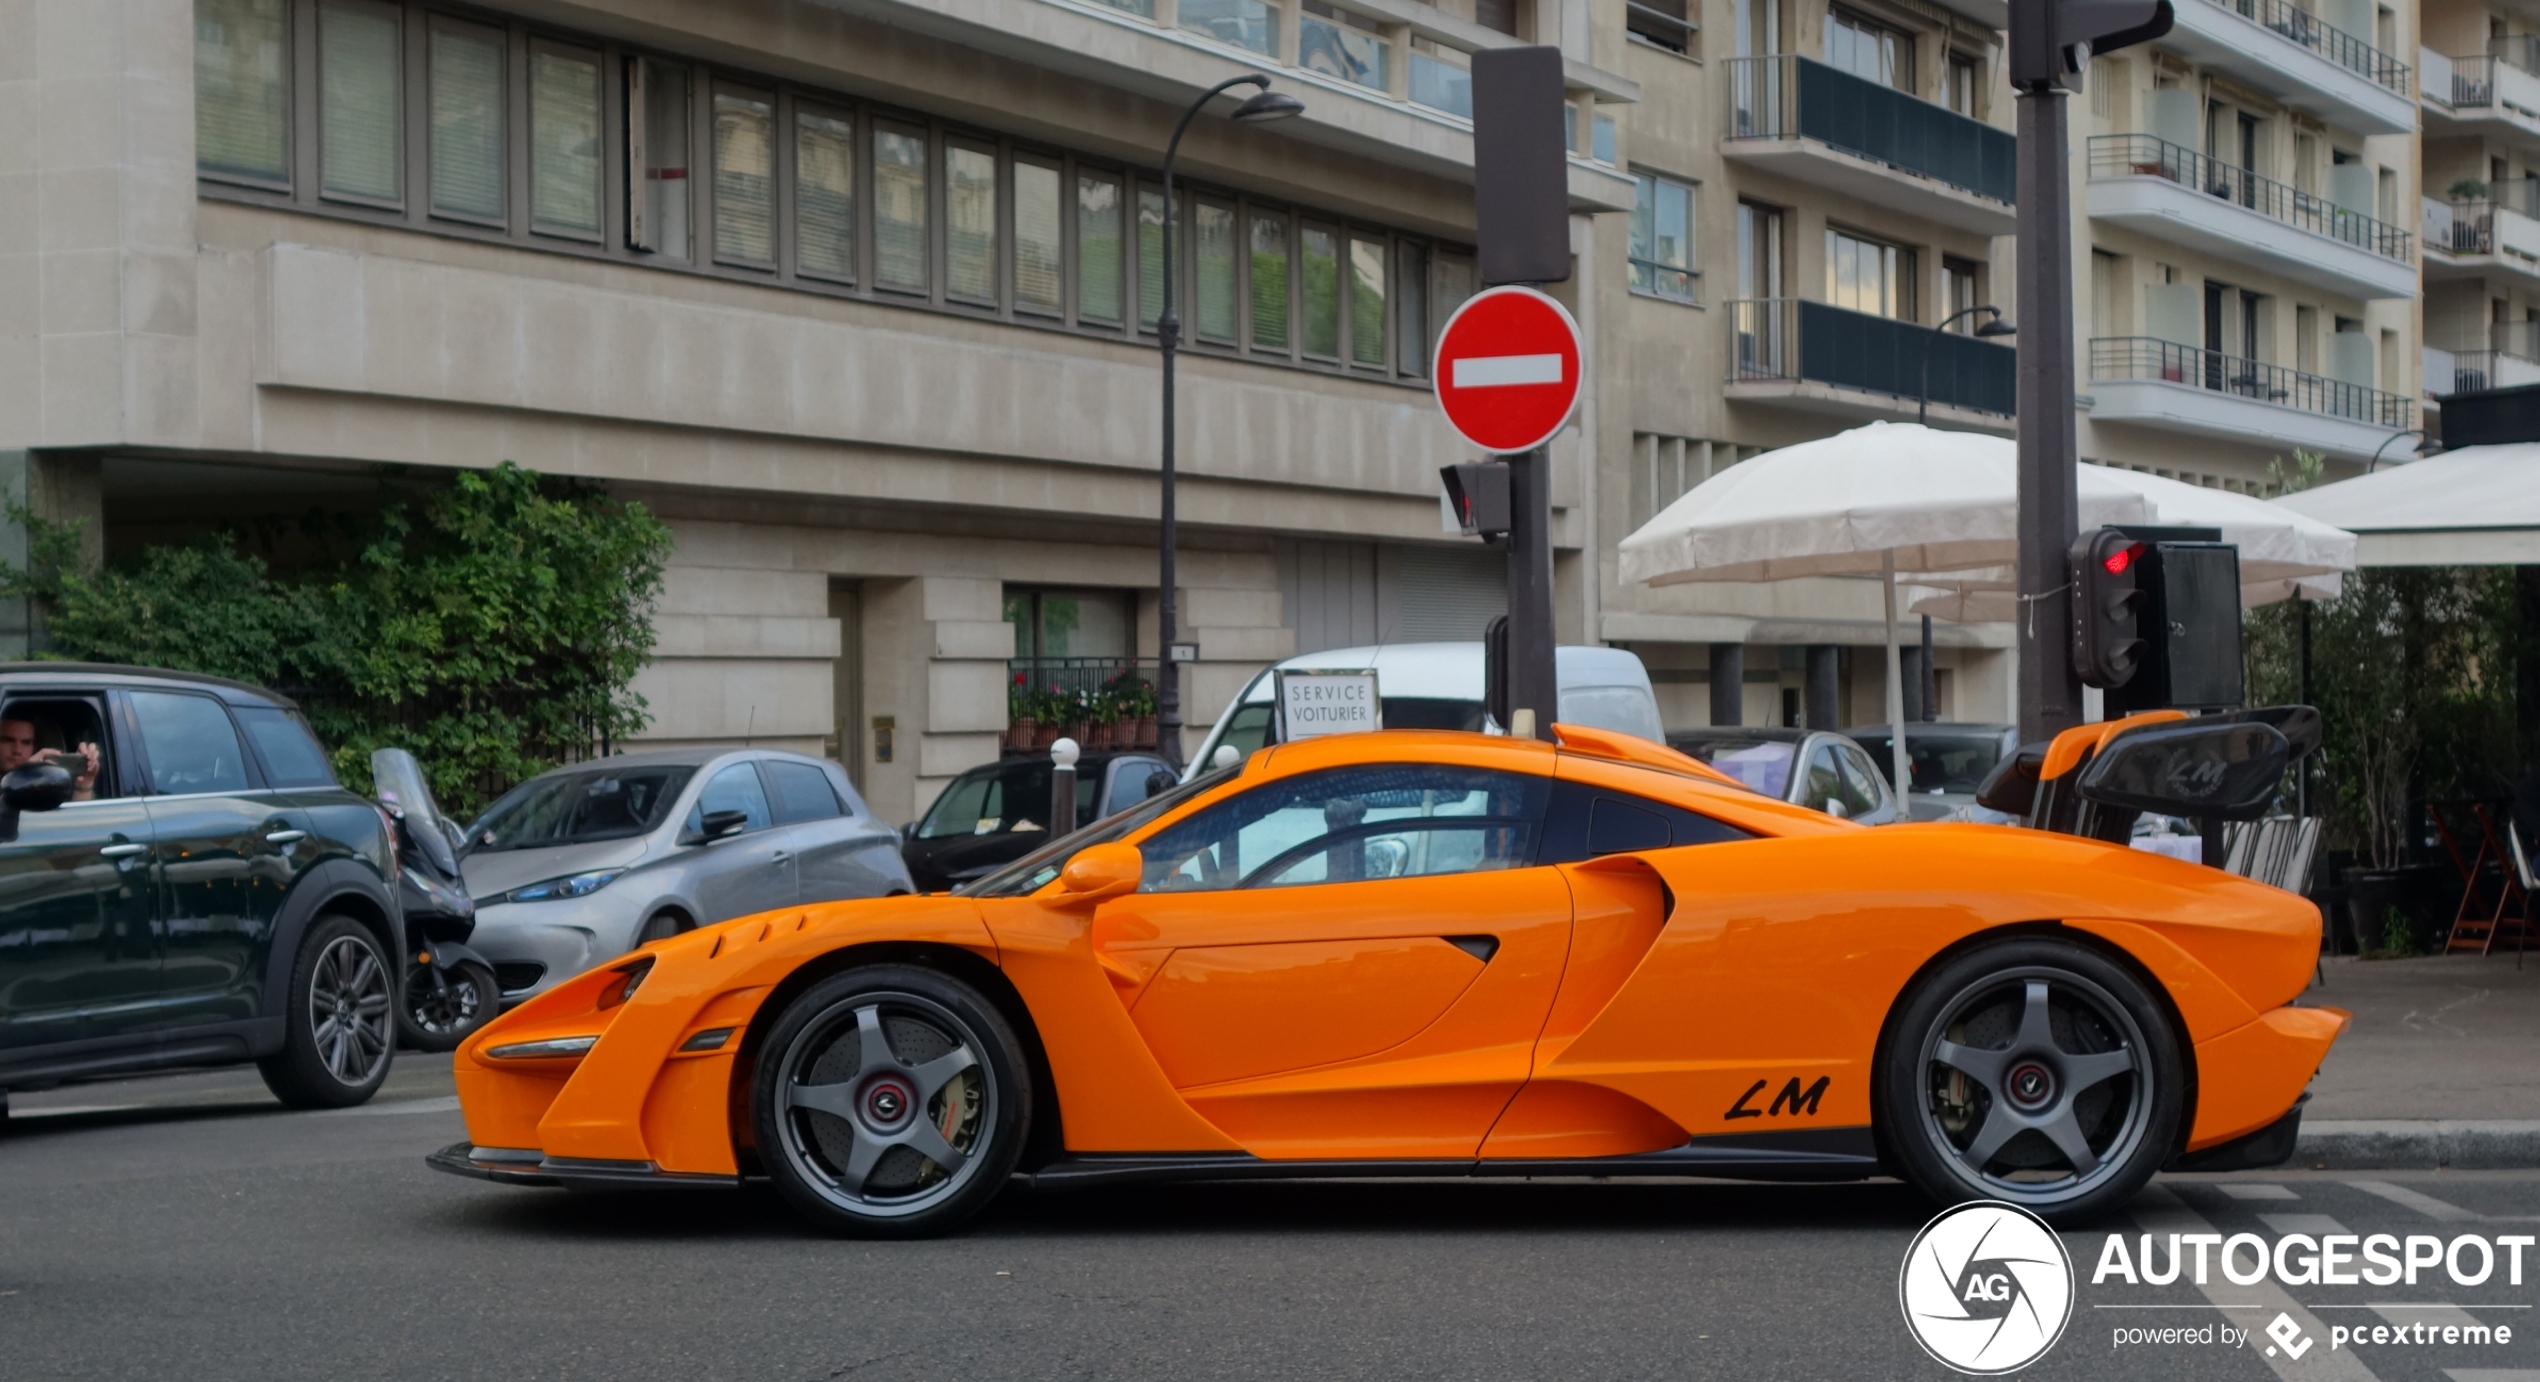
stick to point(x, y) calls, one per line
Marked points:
point(339, 1029)
point(868, 1155)
point(661, 926)
point(441, 1009)
point(2033, 1071)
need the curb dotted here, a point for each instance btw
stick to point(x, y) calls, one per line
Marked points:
point(2419, 1144)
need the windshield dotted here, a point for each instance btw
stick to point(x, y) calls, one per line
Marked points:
point(1034, 870)
point(1938, 762)
point(579, 808)
point(1011, 798)
point(1764, 767)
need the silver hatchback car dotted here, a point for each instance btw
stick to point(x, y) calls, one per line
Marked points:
point(580, 865)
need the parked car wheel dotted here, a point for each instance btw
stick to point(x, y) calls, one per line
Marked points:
point(891, 1102)
point(661, 926)
point(442, 1009)
point(2035, 1072)
point(339, 1027)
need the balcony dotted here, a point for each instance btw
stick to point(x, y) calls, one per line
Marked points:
point(2504, 355)
point(2284, 51)
point(2143, 382)
point(1813, 357)
point(2182, 196)
point(1814, 124)
point(2492, 95)
point(2482, 238)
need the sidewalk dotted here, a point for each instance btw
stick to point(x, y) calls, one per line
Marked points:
point(2441, 1066)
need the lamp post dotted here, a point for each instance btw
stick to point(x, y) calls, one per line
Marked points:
point(1263, 105)
point(2375, 462)
point(1994, 328)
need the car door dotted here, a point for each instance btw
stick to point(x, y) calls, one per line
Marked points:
point(752, 871)
point(223, 842)
point(1346, 963)
point(837, 853)
point(79, 948)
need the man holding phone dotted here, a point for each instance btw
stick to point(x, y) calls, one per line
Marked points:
point(17, 748)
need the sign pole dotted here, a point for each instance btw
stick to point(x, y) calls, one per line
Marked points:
point(2049, 487)
point(1533, 677)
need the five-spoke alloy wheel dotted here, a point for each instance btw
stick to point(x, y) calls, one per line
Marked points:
point(890, 1101)
point(2033, 1071)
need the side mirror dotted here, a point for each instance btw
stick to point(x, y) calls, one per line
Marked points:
point(1836, 809)
point(2229, 771)
point(1100, 872)
point(35, 787)
point(718, 824)
point(1161, 780)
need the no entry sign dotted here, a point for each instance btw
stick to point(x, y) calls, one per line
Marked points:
point(1507, 369)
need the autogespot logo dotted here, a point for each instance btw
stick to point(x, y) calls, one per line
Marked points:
point(1986, 1288)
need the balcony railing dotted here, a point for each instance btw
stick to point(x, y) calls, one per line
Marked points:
point(1795, 339)
point(2141, 357)
point(2477, 371)
point(2143, 155)
point(2334, 44)
point(1789, 96)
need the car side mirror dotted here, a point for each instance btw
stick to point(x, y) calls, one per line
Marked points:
point(35, 787)
point(1161, 780)
point(1098, 873)
point(717, 825)
point(1836, 809)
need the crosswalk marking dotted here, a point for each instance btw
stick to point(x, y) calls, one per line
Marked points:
point(2316, 1225)
point(2256, 1192)
point(2160, 1210)
point(2419, 1201)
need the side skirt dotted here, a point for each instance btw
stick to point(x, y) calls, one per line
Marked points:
point(1817, 1154)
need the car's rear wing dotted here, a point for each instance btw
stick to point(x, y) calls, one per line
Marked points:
point(2094, 780)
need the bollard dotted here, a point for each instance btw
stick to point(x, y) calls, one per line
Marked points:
point(1063, 756)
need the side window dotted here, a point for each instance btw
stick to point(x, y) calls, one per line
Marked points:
point(1248, 729)
point(1350, 825)
point(191, 745)
point(1820, 780)
point(803, 792)
point(1586, 821)
point(291, 754)
point(1860, 782)
point(53, 727)
point(736, 788)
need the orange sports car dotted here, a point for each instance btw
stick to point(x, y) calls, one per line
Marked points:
point(1443, 954)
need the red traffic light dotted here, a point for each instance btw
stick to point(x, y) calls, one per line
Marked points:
point(2122, 558)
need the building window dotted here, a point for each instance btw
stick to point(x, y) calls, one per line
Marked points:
point(1962, 78)
point(464, 83)
point(1441, 78)
point(744, 178)
point(1661, 252)
point(564, 141)
point(361, 101)
point(1040, 258)
point(1961, 290)
point(1341, 43)
point(1367, 302)
point(824, 194)
point(1320, 268)
point(1099, 250)
point(1759, 250)
point(970, 223)
point(1411, 311)
point(1601, 139)
point(899, 209)
point(657, 158)
point(1869, 50)
point(1659, 22)
point(1070, 623)
point(1213, 262)
point(242, 91)
point(1867, 275)
point(1270, 287)
point(1246, 24)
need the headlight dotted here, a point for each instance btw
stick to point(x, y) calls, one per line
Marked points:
point(555, 889)
point(544, 1050)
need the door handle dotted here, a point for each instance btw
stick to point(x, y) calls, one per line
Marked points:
point(123, 851)
point(780, 855)
point(286, 837)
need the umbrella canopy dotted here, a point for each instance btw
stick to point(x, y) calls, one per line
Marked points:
point(2280, 549)
point(2478, 506)
point(1889, 496)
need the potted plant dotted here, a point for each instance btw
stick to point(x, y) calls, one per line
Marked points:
point(1022, 719)
point(1049, 708)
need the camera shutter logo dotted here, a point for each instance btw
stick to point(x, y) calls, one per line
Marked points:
point(1986, 1288)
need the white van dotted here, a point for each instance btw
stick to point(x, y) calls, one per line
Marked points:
point(1439, 686)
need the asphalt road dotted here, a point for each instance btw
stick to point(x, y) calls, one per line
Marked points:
point(187, 1227)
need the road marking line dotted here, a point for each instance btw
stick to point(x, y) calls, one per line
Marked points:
point(447, 1103)
point(2256, 1192)
point(2159, 1210)
point(70, 1110)
point(2432, 1316)
point(1496, 371)
point(2493, 1374)
point(2422, 1203)
point(2316, 1225)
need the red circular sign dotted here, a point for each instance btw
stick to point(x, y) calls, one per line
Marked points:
point(1507, 369)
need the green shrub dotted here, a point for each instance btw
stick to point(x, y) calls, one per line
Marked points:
point(492, 624)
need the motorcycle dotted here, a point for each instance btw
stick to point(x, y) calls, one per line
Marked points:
point(450, 990)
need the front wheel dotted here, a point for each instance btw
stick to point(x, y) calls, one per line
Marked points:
point(2036, 1072)
point(339, 1019)
point(890, 1102)
point(445, 1007)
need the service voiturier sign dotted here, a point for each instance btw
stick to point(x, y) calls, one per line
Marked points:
point(1312, 704)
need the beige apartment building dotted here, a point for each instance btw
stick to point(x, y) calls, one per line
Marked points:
point(860, 296)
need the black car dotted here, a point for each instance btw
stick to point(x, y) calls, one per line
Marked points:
point(218, 897)
point(999, 812)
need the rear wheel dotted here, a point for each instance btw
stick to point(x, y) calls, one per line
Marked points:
point(339, 1020)
point(891, 1102)
point(445, 1007)
point(2035, 1072)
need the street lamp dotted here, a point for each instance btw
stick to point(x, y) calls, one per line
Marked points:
point(1261, 107)
point(2416, 432)
point(1994, 328)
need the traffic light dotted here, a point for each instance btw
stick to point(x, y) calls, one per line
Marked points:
point(1478, 492)
point(2052, 40)
point(2106, 650)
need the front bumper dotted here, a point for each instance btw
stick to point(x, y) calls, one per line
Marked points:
point(561, 938)
point(513, 1166)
